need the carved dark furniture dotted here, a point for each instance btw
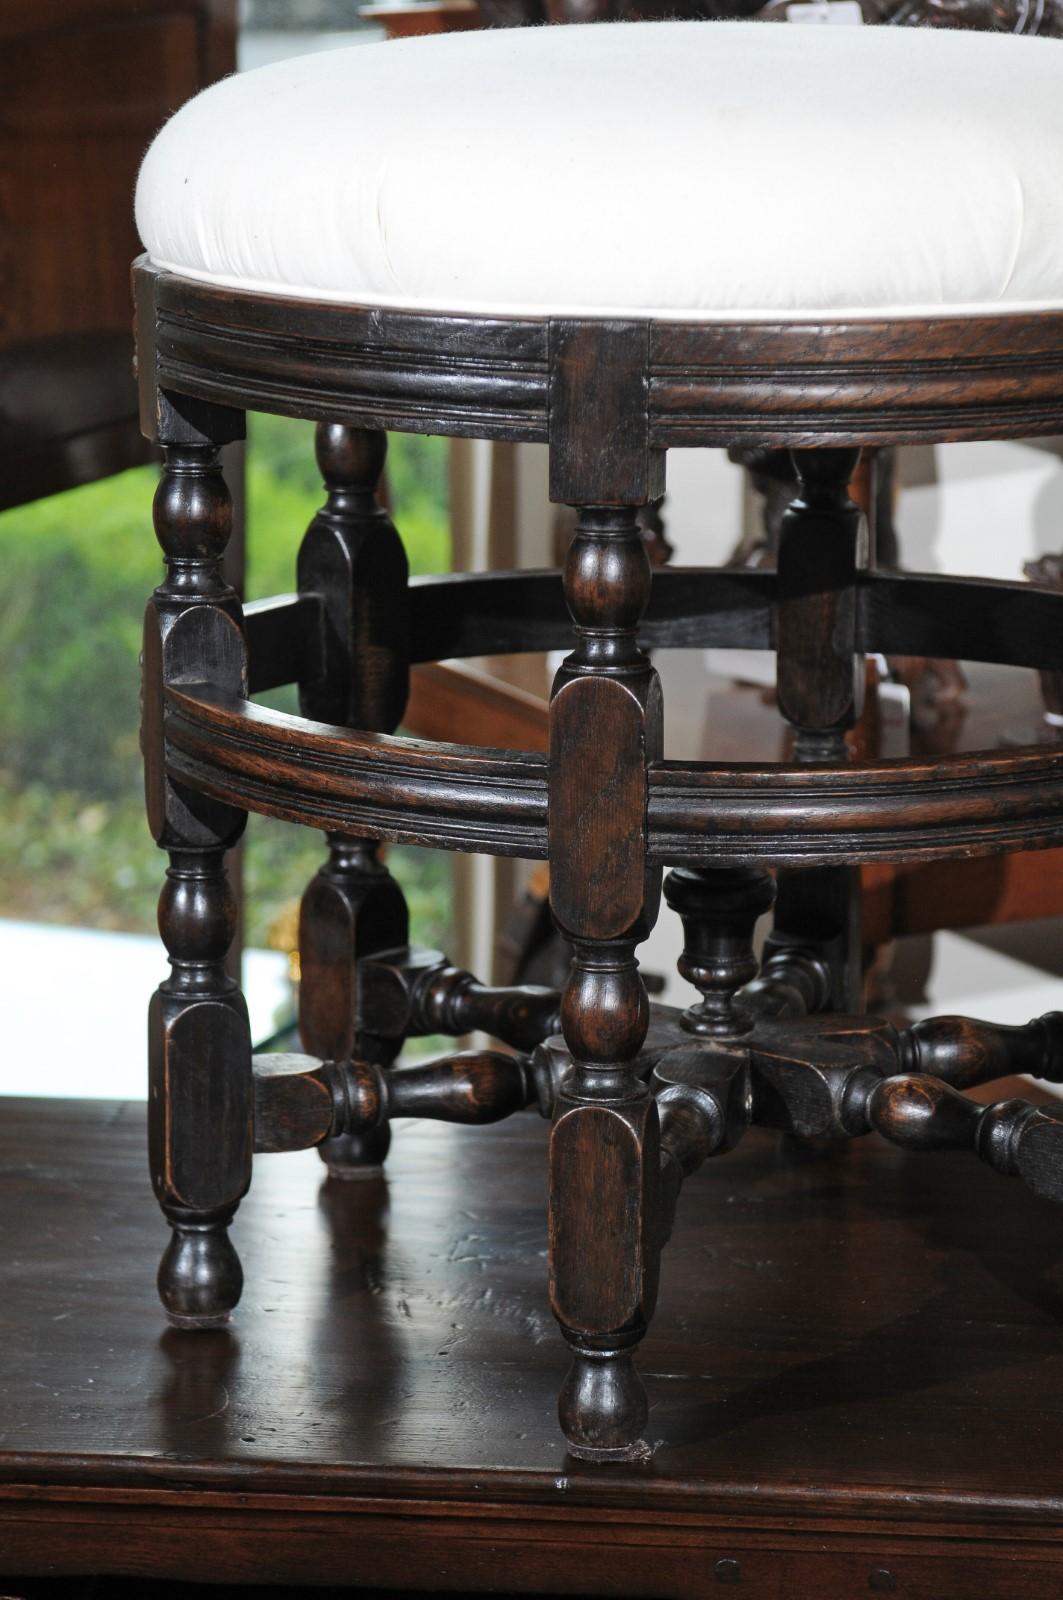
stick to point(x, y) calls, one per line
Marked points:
point(83, 86)
point(638, 1096)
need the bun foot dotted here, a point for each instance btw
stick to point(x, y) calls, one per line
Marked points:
point(200, 1277)
point(603, 1407)
point(354, 1156)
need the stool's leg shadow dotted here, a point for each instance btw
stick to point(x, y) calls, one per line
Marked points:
point(352, 561)
point(200, 1099)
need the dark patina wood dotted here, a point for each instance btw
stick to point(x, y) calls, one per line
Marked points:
point(417, 992)
point(301, 1102)
point(854, 1370)
point(606, 727)
point(823, 548)
point(200, 1128)
point(820, 671)
point(639, 1098)
point(506, 613)
point(469, 797)
point(785, 385)
point(353, 568)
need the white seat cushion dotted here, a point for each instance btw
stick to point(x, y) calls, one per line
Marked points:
point(695, 170)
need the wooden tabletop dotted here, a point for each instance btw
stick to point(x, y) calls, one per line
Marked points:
point(856, 1374)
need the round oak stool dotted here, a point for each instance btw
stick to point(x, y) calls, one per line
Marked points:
point(448, 236)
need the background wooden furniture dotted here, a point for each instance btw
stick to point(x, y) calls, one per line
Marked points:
point(84, 84)
point(384, 1415)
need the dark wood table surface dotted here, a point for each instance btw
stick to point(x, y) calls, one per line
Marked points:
point(856, 1373)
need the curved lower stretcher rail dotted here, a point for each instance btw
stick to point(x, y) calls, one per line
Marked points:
point(465, 797)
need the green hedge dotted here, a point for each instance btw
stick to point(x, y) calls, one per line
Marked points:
point(75, 572)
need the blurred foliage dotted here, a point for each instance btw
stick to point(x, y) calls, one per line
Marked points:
point(284, 491)
point(68, 857)
point(75, 571)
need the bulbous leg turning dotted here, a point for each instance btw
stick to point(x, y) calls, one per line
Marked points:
point(200, 1112)
point(602, 1407)
point(354, 1157)
point(200, 1277)
point(605, 726)
point(200, 1118)
point(352, 562)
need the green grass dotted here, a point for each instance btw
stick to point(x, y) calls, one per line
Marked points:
point(75, 572)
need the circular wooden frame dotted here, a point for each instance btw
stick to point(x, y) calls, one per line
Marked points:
point(464, 797)
point(797, 385)
point(467, 797)
point(779, 385)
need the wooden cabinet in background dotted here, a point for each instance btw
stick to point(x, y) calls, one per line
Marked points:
point(84, 84)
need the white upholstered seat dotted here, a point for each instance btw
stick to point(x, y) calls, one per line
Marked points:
point(686, 169)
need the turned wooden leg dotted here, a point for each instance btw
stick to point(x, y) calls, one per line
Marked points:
point(351, 909)
point(200, 1101)
point(200, 1093)
point(719, 908)
point(820, 676)
point(353, 560)
point(605, 727)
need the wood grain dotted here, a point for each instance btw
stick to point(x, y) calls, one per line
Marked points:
point(456, 797)
point(199, 1042)
point(352, 567)
point(784, 385)
point(604, 807)
point(382, 1411)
